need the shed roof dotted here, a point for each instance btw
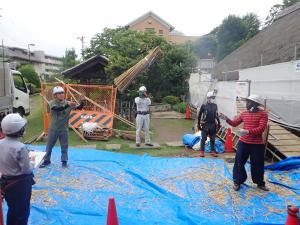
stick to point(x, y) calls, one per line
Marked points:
point(92, 68)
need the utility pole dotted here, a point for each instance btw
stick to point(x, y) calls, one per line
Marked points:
point(82, 45)
point(29, 51)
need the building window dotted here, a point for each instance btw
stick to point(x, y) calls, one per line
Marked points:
point(150, 29)
point(161, 32)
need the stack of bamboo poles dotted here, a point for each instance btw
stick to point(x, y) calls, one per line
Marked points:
point(126, 78)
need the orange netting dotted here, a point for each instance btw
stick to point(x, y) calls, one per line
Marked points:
point(99, 104)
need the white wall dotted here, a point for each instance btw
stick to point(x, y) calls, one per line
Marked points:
point(279, 84)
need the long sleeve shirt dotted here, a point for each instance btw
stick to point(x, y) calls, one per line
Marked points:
point(208, 113)
point(254, 122)
point(60, 112)
point(142, 104)
point(14, 158)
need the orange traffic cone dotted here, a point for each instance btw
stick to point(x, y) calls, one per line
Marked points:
point(228, 142)
point(187, 112)
point(112, 218)
point(1, 211)
point(293, 216)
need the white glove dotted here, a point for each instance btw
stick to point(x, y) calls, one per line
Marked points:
point(243, 132)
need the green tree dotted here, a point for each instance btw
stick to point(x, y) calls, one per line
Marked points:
point(276, 9)
point(29, 73)
point(235, 31)
point(205, 47)
point(230, 33)
point(124, 48)
point(70, 59)
point(252, 25)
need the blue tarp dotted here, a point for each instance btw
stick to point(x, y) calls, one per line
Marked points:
point(290, 166)
point(150, 190)
point(286, 164)
point(191, 140)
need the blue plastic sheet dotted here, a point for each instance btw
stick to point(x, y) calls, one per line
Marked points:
point(290, 166)
point(219, 146)
point(190, 139)
point(286, 164)
point(150, 190)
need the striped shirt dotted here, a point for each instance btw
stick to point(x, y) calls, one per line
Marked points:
point(254, 122)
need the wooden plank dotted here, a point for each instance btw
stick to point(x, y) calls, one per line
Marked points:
point(284, 137)
point(285, 142)
point(289, 149)
point(274, 132)
point(290, 154)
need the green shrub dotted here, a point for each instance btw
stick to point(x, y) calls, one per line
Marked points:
point(179, 107)
point(172, 100)
point(33, 89)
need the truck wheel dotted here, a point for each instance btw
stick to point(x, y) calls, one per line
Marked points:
point(20, 110)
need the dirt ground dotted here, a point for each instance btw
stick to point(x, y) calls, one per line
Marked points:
point(170, 130)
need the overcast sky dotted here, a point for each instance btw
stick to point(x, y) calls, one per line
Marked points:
point(54, 25)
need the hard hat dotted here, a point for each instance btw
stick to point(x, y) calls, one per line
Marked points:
point(58, 89)
point(12, 123)
point(143, 88)
point(255, 98)
point(210, 94)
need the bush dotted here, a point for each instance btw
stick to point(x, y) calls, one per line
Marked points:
point(180, 107)
point(33, 89)
point(172, 100)
point(29, 73)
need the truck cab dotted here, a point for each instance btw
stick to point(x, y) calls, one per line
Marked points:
point(14, 94)
point(20, 93)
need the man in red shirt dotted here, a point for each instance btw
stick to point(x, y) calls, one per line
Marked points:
point(251, 143)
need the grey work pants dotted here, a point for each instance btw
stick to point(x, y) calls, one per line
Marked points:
point(142, 121)
point(53, 135)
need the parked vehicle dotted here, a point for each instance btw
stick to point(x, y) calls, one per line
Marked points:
point(14, 94)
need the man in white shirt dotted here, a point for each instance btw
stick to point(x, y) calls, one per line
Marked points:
point(143, 118)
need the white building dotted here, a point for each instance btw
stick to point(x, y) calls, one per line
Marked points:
point(43, 64)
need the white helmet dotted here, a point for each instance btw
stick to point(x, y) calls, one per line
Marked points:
point(143, 88)
point(12, 123)
point(210, 94)
point(256, 98)
point(58, 89)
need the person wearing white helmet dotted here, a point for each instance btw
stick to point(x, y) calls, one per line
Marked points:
point(208, 123)
point(142, 118)
point(251, 143)
point(60, 111)
point(16, 170)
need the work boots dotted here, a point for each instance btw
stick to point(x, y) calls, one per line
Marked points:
point(236, 187)
point(44, 164)
point(262, 187)
point(214, 154)
point(202, 154)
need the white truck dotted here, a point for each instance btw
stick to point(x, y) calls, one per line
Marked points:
point(14, 94)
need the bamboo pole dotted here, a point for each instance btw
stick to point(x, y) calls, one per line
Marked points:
point(125, 79)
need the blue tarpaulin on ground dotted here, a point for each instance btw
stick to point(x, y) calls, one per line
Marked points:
point(286, 164)
point(192, 140)
point(290, 166)
point(150, 190)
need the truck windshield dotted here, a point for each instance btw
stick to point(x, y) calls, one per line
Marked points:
point(19, 82)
